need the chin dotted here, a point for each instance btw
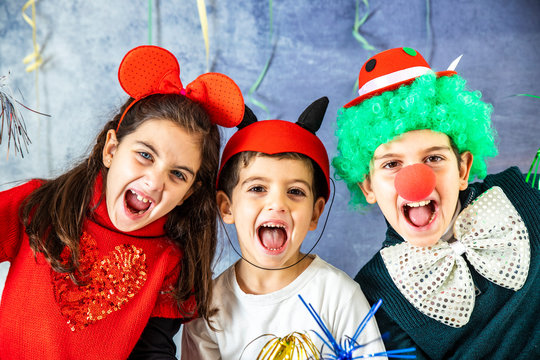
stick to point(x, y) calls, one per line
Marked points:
point(423, 243)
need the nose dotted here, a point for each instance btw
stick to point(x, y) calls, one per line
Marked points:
point(276, 201)
point(415, 182)
point(154, 180)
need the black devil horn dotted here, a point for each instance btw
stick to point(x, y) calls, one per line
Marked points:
point(312, 117)
point(249, 118)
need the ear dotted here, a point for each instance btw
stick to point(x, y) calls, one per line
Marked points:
point(318, 209)
point(109, 149)
point(224, 207)
point(194, 187)
point(367, 190)
point(465, 169)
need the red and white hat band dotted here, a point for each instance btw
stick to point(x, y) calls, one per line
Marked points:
point(393, 78)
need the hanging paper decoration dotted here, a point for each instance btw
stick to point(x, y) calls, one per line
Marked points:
point(529, 95)
point(359, 22)
point(345, 348)
point(536, 161)
point(34, 60)
point(204, 27)
point(259, 80)
point(149, 22)
point(356, 31)
point(34, 56)
point(428, 29)
point(12, 121)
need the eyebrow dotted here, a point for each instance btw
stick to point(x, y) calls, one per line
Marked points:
point(261, 178)
point(177, 167)
point(392, 155)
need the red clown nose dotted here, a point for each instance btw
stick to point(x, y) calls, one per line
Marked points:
point(415, 182)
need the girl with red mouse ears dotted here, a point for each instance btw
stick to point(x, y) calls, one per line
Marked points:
point(459, 269)
point(110, 258)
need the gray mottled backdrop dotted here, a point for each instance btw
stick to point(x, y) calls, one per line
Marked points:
point(314, 54)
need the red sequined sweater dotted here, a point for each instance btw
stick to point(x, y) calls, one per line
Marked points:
point(44, 315)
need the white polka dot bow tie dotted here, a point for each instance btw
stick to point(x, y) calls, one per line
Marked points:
point(436, 280)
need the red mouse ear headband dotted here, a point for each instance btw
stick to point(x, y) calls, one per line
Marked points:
point(148, 70)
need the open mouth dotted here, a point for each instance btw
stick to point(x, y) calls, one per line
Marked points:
point(272, 237)
point(136, 203)
point(421, 213)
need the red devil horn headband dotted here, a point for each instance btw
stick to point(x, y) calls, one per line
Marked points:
point(279, 136)
point(148, 70)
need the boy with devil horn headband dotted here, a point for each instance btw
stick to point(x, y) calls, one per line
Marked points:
point(273, 185)
point(458, 271)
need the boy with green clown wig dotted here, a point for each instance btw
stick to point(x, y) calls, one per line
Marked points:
point(458, 270)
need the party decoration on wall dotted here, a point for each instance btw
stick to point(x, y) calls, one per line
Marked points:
point(428, 29)
point(345, 348)
point(356, 30)
point(11, 119)
point(34, 60)
point(259, 80)
point(201, 6)
point(529, 95)
point(536, 161)
point(359, 22)
point(149, 22)
point(35, 56)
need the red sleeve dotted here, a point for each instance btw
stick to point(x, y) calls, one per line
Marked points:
point(166, 305)
point(11, 228)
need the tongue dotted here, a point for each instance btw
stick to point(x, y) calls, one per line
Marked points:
point(134, 204)
point(272, 238)
point(420, 216)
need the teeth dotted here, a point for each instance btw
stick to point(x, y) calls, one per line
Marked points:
point(274, 226)
point(140, 198)
point(419, 203)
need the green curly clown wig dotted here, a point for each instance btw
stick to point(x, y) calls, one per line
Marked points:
point(439, 104)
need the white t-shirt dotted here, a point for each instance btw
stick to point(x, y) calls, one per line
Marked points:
point(243, 318)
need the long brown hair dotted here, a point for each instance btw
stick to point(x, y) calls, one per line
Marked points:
point(53, 214)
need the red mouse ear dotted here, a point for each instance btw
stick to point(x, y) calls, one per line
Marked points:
point(219, 96)
point(147, 70)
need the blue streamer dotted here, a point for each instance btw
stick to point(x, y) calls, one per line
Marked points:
point(344, 350)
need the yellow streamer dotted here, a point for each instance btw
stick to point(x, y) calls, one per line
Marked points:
point(293, 346)
point(204, 26)
point(35, 56)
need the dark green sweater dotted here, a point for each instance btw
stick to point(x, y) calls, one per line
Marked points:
point(504, 324)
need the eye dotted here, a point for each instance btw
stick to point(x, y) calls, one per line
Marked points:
point(433, 158)
point(256, 188)
point(145, 155)
point(390, 164)
point(297, 192)
point(178, 174)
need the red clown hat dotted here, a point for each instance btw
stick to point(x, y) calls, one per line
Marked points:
point(390, 69)
point(280, 136)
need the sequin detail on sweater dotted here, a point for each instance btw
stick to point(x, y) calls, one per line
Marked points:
point(106, 284)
